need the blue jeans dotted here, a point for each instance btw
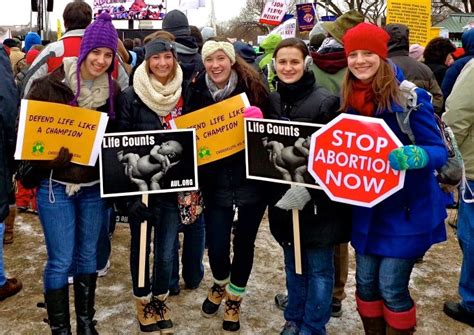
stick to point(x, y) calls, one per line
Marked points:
point(466, 241)
point(310, 294)
point(3, 279)
point(69, 223)
point(193, 252)
point(384, 278)
point(218, 233)
point(165, 224)
point(104, 246)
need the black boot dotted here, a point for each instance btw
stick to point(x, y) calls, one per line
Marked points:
point(84, 291)
point(57, 306)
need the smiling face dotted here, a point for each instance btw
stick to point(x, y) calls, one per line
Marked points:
point(363, 64)
point(218, 68)
point(96, 63)
point(289, 64)
point(161, 65)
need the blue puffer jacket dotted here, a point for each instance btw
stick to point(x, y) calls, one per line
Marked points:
point(407, 223)
point(455, 69)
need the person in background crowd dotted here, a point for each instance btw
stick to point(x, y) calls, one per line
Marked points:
point(149, 104)
point(265, 61)
point(77, 15)
point(416, 52)
point(189, 58)
point(15, 52)
point(455, 69)
point(224, 183)
point(70, 208)
point(128, 44)
point(176, 23)
point(8, 108)
point(315, 41)
point(390, 236)
point(298, 98)
point(460, 117)
point(247, 53)
point(196, 33)
point(31, 38)
point(414, 71)
point(329, 61)
point(207, 33)
point(438, 56)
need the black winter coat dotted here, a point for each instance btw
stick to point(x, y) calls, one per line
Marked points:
point(322, 222)
point(8, 111)
point(222, 182)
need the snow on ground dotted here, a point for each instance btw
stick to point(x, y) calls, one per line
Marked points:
point(433, 281)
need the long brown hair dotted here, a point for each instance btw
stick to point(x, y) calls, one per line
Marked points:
point(384, 86)
point(255, 88)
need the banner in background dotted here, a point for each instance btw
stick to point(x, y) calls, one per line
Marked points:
point(273, 12)
point(306, 16)
point(287, 29)
point(416, 14)
point(45, 127)
point(191, 4)
point(131, 9)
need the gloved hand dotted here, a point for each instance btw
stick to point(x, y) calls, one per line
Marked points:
point(63, 159)
point(295, 198)
point(254, 112)
point(408, 157)
point(139, 212)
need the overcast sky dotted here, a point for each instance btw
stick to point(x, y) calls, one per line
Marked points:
point(18, 11)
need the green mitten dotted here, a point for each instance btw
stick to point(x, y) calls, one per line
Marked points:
point(408, 157)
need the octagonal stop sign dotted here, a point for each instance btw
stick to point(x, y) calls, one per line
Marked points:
point(349, 159)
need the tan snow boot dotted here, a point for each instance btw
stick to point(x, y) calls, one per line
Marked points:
point(146, 314)
point(232, 313)
point(163, 314)
point(210, 306)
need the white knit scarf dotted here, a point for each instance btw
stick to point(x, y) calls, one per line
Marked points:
point(90, 97)
point(158, 97)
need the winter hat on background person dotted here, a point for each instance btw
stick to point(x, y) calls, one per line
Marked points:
point(245, 51)
point(99, 34)
point(366, 36)
point(212, 46)
point(437, 50)
point(338, 28)
point(207, 33)
point(176, 23)
point(416, 52)
point(11, 43)
point(31, 39)
point(316, 40)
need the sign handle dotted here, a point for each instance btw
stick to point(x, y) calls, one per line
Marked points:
point(142, 252)
point(296, 240)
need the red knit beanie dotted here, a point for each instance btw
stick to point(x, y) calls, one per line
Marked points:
point(366, 36)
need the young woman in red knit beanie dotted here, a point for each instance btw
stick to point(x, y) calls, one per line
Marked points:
point(389, 237)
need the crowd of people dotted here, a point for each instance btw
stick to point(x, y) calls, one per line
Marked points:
point(350, 66)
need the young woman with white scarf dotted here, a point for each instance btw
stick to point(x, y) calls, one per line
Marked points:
point(149, 104)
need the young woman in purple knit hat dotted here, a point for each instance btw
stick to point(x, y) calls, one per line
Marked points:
point(70, 207)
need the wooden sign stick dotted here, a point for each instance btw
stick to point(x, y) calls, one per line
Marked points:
point(296, 240)
point(142, 252)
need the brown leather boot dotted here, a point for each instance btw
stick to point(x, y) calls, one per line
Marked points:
point(10, 288)
point(393, 331)
point(9, 224)
point(146, 315)
point(210, 306)
point(163, 314)
point(374, 326)
point(232, 313)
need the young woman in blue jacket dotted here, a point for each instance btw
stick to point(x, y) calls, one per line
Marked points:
point(390, 236)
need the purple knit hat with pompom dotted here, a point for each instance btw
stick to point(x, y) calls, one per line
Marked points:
point(99, 34)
